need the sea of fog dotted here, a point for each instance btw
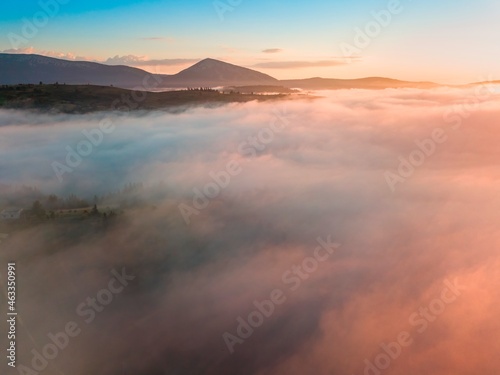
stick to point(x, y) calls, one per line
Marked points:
point(355, 233)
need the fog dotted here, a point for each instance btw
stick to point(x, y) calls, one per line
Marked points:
point(404, 182)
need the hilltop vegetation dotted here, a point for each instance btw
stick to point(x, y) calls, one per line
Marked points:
point(75, 215)
point(61, 98)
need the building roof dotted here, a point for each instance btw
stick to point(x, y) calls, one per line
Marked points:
point(11, 210)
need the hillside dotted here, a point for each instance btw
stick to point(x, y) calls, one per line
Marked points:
point(210, 72)
point(32, 69)
point(24, 69)
point(88, 98)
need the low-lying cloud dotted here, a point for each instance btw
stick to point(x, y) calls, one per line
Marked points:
point(323, 175)
point(272, 50)
point(132, 60)
point(300, 64)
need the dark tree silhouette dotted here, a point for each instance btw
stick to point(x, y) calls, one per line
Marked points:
point(94, 211)
point(38, 210)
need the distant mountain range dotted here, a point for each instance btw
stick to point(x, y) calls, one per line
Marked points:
point(20, 68)
point(374, 83)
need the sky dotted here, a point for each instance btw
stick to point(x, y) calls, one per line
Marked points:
point(449, 42)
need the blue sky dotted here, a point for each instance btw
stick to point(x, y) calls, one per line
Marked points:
point(452, 41)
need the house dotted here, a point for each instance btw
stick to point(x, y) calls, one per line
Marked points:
point(11, 214)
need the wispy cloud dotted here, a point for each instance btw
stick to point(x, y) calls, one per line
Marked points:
point(273, 50)
point(129, 60)
point(300, 64)
point(56, 54)
point(159, 38)
point(134, 60)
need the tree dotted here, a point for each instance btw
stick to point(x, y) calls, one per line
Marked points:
point(94, 211)
point(52, 202)
point(38, 210)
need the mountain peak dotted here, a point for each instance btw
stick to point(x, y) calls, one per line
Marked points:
point(216, 72)
point(209, 59)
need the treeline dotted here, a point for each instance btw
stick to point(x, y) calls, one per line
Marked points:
point(202, 89)
point(23, 197)
point(24, 86)
point(40, 212)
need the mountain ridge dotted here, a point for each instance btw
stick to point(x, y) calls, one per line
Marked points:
point(209, 72)
point(32, 68)
point(222, 72)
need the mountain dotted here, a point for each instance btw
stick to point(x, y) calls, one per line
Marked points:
point(18, 68)
point(371, 83)
point(210, 72)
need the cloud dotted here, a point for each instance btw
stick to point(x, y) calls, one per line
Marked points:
point(26, 50)
point(126, 60)
point(132, 60)
point(272, 50)
point(55, 54)
point(323, 174)
point(159, 38)
point(129, 60)
point(300, 64)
